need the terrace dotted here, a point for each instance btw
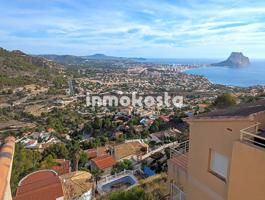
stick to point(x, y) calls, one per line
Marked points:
point(253, 135)
point(77, 185)
point(122, 180)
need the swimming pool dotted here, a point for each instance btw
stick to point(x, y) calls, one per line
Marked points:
point(125, 181)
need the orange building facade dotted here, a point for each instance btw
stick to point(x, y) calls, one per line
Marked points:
point(6, 160)
point(224, 158)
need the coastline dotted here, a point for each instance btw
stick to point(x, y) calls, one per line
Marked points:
point(232, 77)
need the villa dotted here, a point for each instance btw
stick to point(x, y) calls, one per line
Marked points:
point(104, 163)
point(129, 150)
point(94, 153)
point(62, 166)
point(41, 185)
point(77, 185)
point(224, 158)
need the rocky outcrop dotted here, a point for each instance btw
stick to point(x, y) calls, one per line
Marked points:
point(236, 59)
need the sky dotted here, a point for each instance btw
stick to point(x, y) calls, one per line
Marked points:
point(134, 28)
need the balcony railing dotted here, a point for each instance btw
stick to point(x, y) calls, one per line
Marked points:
point(180, 148)
point(253, 135)
point(179, 155)
point(176, 193)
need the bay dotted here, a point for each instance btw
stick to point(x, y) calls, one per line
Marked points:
point(251, 75)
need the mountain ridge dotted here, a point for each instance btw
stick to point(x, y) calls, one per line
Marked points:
point(72, 59)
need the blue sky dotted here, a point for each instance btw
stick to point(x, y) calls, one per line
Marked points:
point(144, 28)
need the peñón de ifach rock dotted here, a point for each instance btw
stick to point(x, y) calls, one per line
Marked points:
point(236, 59)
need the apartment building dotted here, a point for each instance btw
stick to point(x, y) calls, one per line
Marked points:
point(224, 158)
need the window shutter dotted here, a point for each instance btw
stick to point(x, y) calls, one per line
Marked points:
point(219, 164)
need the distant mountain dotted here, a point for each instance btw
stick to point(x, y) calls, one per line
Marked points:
point(103, 56)
point(100, 56)
point(83, 60)
point(64, 59)
point(236, 59)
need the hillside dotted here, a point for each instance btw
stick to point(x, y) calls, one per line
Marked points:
point(64, 59)
point(18, 68)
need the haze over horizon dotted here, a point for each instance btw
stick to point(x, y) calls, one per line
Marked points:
point(149, 28)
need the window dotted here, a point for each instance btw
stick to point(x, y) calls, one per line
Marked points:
point(218, 165)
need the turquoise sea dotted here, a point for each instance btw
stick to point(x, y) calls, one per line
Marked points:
point(233, 76)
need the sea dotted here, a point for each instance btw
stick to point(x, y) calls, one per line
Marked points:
point(247, 76)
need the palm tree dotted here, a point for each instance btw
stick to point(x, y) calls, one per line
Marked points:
point(75, 152)
point(96, 174)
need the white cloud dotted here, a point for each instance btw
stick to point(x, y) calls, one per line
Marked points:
point(77, 27)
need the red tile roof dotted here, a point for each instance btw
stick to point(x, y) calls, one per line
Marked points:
point(63, 166)
point(40, 185)
point(31, 142)
point(164, 118)
point(91, 153)
point(104, 162)
point(50, 130)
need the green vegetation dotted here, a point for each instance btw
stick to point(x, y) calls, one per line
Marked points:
point(122, 165)
point(224, 101)
point(27, 160)
point(15, 61)
point(56, 151)
point(156, 126)
point(18, 69)
point(155, 185)
point(93, 143)
point(63, 120)
point(47, 162)
point(96, 174)
point(74, 153)
point(98, 128)
point(59, 83)
point(250, 99)
point(134, 194)
point(83, 161)
point(6, 80)
point(134, 121)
